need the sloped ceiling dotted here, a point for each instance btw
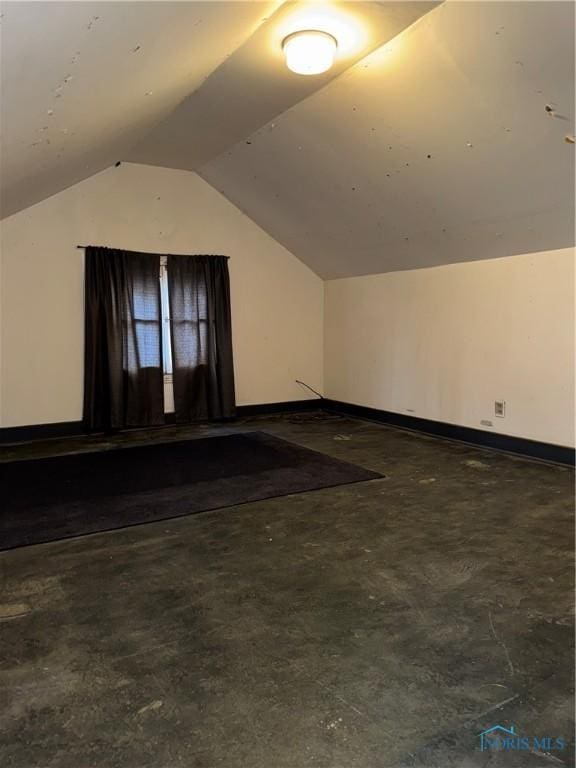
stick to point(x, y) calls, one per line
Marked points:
point(446, 144)
point(81, 82)
point(164, 83)
point(437, 148)
point(253, 85)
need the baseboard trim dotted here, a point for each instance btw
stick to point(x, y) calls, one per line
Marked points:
point(289, 406)
point(33, 432)
point(534, 449)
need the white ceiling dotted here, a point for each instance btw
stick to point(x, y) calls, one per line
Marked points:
point(435, 148)
point(253, 85)
point(83, 81)
point(85, 84)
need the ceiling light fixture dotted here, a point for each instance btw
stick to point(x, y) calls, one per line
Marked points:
point(309, 52)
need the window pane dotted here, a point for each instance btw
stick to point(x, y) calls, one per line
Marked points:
point(166, 347)
point(147, 343)
point(165, 305)
point(193, 349)
point(145, 306)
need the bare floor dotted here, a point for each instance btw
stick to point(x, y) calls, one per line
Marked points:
point(384, 624)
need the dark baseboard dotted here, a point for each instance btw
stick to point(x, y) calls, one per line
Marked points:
point(558, 454)
point(33, 432)
point(290, 406)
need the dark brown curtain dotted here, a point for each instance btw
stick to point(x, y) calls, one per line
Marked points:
point(123, 377)
point(203, 373)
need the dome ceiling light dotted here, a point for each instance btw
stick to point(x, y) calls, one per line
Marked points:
point(309, 51)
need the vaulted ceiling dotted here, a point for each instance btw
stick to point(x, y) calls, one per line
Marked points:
point(82, 82)
point(437, 148)
point(443, 134)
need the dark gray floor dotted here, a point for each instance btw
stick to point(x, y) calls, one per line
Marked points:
point(376, 625)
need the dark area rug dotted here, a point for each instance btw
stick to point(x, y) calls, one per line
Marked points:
point(59, 497)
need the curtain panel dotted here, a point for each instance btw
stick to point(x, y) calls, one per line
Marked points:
point(123, 377)
point(201, 334)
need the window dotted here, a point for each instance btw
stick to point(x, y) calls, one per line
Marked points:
point(142, 342)
point(162, 329)
point(190, 331)
point(165, 309)
point(190, 327)
point(166, 338)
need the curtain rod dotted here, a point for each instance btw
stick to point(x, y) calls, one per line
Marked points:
point(152, 254)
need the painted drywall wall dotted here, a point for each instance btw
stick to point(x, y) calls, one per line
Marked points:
point(444, 343)
point(277, 302)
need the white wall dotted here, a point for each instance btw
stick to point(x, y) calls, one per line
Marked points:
point(440, 343)
point(444, 343)
point(276, 300)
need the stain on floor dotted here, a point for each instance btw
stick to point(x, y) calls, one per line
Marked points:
point(379, 625)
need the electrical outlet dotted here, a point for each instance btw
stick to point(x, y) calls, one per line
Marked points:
point(486, 423)
point(500, 408)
